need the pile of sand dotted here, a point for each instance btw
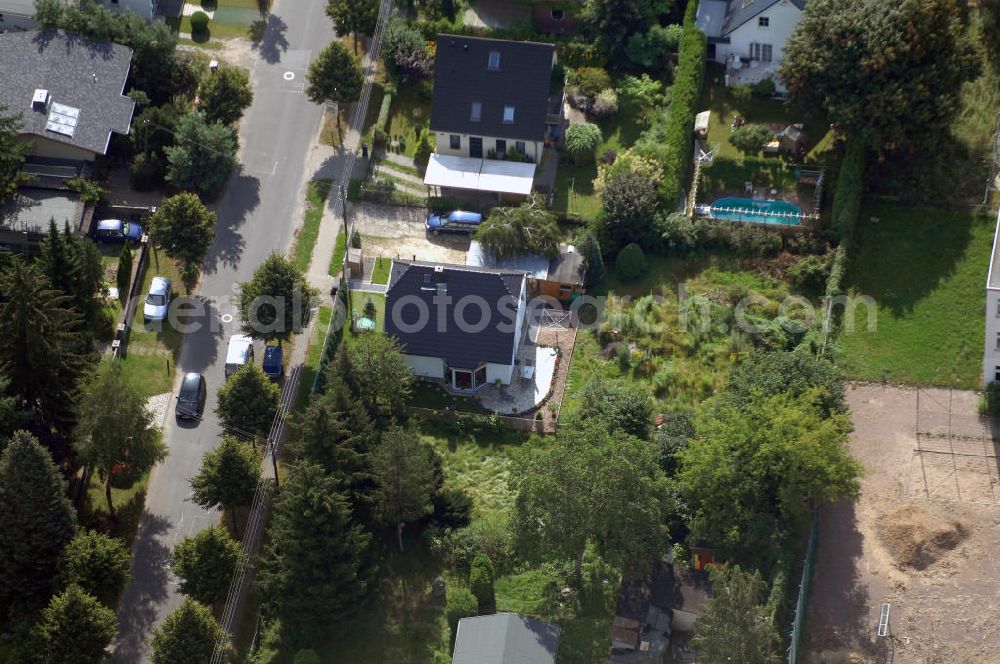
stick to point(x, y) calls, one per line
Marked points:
point(917, 538)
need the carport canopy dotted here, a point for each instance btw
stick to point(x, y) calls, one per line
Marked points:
point(506, 177)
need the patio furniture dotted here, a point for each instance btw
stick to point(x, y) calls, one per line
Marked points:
point(748, 187)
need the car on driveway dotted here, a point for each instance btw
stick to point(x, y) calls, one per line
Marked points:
point(191, 397)
point(157, 299)
point(272, 364)
point(116, 230)
point(456, 221)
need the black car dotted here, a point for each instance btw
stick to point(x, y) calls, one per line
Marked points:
point(191, 398)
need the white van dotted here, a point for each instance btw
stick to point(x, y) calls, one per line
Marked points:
point(240, 352)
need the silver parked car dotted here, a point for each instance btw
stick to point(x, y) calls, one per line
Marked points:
point(157, 299)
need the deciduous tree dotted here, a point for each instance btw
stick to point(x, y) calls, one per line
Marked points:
point(228, 476)
point(98, 564)
point(404, 51)
point(225, 95)
point(202, 156)
point(335, 75)
point(315, 567)
point(888, 75)
point(184, 227)
point(592, 486)
point(353, 17)
point(526, 229)
point(275, 302)
point(621, 407)
point(74, 628)
point(750, 139)
point(735, 625)
point(630, 203)
point(116, 432)
point(612, 22)
point(36, 521)
point(249, 401)
point(205, 563)
point(189, 634)
point(405, 478)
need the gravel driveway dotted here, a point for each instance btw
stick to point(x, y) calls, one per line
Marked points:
point(398, 232)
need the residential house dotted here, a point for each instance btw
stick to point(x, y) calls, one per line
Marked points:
point(505, 638)
point(991, 354)
point(465, 326)
point(70, 92)
point(560, 278)
point(749, 36)
point(17, 15)
point(490, 114)
point(24, 217)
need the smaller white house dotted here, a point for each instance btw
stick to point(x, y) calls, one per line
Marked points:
point(991, 354)
point(458, 324)
point(749, 36)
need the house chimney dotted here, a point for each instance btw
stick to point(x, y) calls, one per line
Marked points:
point(95, 77)
point(40, 100)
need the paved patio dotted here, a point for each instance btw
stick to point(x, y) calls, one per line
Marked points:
point(523, 393)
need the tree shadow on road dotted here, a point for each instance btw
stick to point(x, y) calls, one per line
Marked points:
point(272, 42)
point(148, 588)
point(242, 197)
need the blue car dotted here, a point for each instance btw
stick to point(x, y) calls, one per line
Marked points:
point(453, 222)
point(272, 361)
point(116, 230)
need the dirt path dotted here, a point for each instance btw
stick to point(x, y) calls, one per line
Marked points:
point(947, 612)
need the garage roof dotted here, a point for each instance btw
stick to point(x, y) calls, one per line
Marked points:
point(506, 177)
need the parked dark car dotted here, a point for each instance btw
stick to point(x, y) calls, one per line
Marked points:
point(272, 364)
point(453, 222)
point(191, 398)
point(116, 230)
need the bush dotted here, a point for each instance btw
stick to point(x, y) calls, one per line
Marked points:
point(452, 508)
point(589, 81)
point(460, 604)
point(640, 93)
point(424, 149)
point(382, 123)
point(750, 139)
point(990, 404)
point(847, 199)
point(605, 104)
point(764, 88)
point(199, 22)
point(582, 141)
point(741, 94)
point(631, 262)
point(810, 275)
point(481, 578)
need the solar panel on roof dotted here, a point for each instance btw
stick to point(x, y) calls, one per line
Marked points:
point(63, 119)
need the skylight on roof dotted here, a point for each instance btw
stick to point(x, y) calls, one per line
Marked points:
point(63, 119)
point(508, 115)
point(477, 112)
point(494, 63)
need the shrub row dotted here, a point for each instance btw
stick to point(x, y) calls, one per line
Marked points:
point(683, 106)
point(847, 198)
point(382, 123)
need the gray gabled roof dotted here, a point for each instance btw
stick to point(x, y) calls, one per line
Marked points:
point(29, 210)
point(462, 77)
point(505, 638)
point(18, 7)
point(414, 285)
point(76, 72)
point(741, 11)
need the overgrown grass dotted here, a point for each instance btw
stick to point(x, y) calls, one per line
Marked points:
point(434, 397)
point(926, 270)
point(313, 356)
point(305, 239)
point(339, 250)
point(152, 353)
point(410, 112)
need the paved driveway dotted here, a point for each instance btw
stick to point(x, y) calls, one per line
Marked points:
point(257, 214)
point(398, 232)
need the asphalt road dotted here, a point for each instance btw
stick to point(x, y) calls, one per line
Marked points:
point(257, 215)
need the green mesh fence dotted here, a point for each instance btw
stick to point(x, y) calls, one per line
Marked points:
point(803, 599)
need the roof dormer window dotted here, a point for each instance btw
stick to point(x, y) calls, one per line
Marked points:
point(494, 63)
point(477, 112)
point(508, 115)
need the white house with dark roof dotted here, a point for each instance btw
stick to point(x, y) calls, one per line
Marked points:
point(749, 35)
point(462, 325)
point(69, 90)
point(491, 100)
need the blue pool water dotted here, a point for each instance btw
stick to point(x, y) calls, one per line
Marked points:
point(761, 212)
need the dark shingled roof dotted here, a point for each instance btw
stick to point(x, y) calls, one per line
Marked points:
point(505, 638)
point(567, 267)
point(462, 76)
point(66, 65)
point(465, 349)
point(741, 11)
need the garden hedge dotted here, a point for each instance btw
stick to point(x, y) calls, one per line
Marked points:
point(847, 198)
point(684, 95)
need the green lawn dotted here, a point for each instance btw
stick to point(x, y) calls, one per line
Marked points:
point(152, 354)
point(305, 239)
point(359, 301)
point(232, 19)
point(339, 249)
point(128, 505)
point(409, 113)
point(380, 275)
point(313, 356)
point(434, 397)
point(574, 189)
point(926, 269)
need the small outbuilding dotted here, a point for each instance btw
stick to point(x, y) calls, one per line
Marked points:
point(561, 277)
point(701, 124)
point(505, 638)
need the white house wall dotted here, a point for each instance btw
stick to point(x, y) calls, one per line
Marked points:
point(782, 19)
point(531, 148)
point(44, 147)
point(501, 372)
point(991, 356)
point(427, 367)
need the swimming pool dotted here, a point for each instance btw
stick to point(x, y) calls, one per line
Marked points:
point(762, 212)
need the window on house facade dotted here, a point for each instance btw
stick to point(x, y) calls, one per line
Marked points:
point(998, 308)
point(508, 115)
point(764, 21)
point(455, 142)
point(494, 63)
point(477, 112)
point(519, 146)
point(998, 340)
point(766, 51)
point(557, 14)
point(501, 147)
point(996, 374)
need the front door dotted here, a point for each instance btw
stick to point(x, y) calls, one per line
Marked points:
point(501, 148)
point(475, 147)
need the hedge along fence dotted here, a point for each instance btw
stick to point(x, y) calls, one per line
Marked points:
point(847, 199)
point(684, 96)
point(380, 132)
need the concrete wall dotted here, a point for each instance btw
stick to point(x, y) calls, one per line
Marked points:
point(783, 17)
point(531, 148)
point(44, 147)
point(428, 367)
